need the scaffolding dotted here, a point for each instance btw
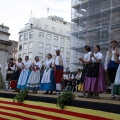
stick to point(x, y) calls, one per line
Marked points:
point(94, 22)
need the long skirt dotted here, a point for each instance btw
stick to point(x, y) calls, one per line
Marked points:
point(14, 79)
point(96, 84)
point(81, 81)
point(34, 80)
point(116, 89)
point(48, 80)
point(1, 81)
point(22, 81)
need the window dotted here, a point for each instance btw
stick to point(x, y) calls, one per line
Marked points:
point(26, 36)
point(41, 35)
point(30, 44)
point(48, 46)
point(30, 55)
point(62, 39)
point(56, 38)
point(21, 37)
point(53, 28)
point(54, 47)
point(68, 32)
point(30, 35)
point(25, 46)
point(24, 54)
point(40, 55)
point(60, 30)
point(48, 36)
point(68, 51)
point(20, 47)
point(40, 45)
point(46, 27)
point(62, 49)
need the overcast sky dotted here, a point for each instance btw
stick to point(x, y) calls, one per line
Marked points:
point(16, 13)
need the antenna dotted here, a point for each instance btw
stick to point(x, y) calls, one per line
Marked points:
point(47, 12)
point(31, 14)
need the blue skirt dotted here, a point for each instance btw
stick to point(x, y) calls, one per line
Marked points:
point(21, 86)
point(51, 85)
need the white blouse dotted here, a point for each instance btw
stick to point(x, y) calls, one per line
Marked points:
point(87, 56)
point(27, 65)
point(39, 64)
point(57, 61)
point(19, 65)
point(106, 60)
point(98, 56)
point(49, 62)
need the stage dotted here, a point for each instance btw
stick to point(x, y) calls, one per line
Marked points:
point(40, 107)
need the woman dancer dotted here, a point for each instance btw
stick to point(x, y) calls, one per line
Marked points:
point(95, 79)
point(34, 79)
point(85, 61)
point(48, 79)
point(116, 88)
point(22, 81)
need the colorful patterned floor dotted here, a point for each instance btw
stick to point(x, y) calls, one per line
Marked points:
point(34, 110)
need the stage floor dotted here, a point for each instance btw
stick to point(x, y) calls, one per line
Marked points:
point(36, 106)
point(104, 97)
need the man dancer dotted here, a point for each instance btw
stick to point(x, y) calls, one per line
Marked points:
point(59, 67)
point(111, 64)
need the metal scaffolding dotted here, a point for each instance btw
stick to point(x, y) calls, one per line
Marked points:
point(94, 22)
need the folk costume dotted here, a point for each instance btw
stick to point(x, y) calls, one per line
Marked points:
point(22, 81)
point(34, 79)
point(85, 66)
point(95, 77)
point(17, 70)
point(111, 64)
point(48, 79)
point(60, 65)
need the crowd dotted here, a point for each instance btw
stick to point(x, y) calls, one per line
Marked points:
point(90, 81)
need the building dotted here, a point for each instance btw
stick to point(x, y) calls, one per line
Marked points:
point(4, 44)
point(12, 50)
point(41, 36)
point(8, 48)
point(94, 22)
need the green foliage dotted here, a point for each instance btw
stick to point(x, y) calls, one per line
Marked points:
point(65, 97)
point(21, 96)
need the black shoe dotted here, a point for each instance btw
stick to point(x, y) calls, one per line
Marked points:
point(46, 92)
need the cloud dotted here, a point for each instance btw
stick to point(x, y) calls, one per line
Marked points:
point(16, 13)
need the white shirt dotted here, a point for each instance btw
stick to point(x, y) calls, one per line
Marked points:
point(87, 56)
point(49, 62)
point(27, 65)
point(39, 64)
point(12, 68)
point(19, 65)
point(98, 56)
point(57, 61)
point(106, 60)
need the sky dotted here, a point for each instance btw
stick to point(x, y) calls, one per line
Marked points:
point(16, 13)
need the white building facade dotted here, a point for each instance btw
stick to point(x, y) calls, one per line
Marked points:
point(42, 36)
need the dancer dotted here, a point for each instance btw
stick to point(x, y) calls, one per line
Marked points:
point(116, 88)
point(93, 73)
point(111, 65)
point(22, 81)
point(34, 79)
point(48, 79)
point(85, 61)
point(60, 65)
point(16, 74)
point(10, 70)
